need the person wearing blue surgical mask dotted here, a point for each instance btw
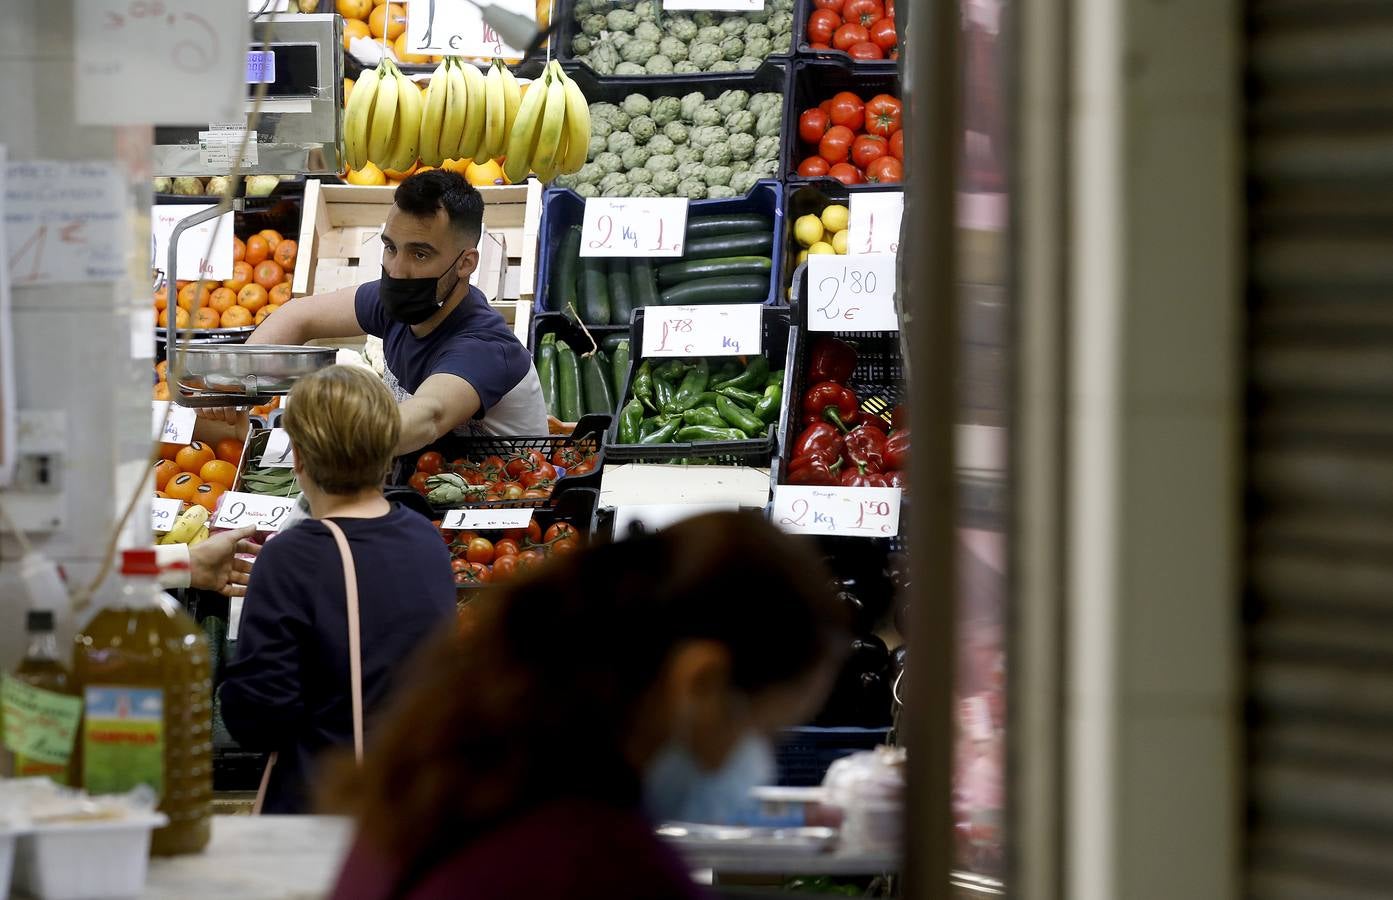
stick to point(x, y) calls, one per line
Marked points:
point(628, 684)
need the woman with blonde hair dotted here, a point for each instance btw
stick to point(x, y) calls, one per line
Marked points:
point(337, 602)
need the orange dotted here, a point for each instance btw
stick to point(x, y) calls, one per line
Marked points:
point(161, 299)
point(354, 28)
point(420, 169)
point(353, 9)
point(239, 249)
point(229, 450)
point(394, 175)
point(222, 300)
point(280, 294)
point(161, 391)
point(487, 174)
point(218, 471)
point(265, 311)
point(169, 451)
point(192, 457)
point(251, 298)
point(266, 410)
point(206, 317)
point(241, 274)
point(183, 486)
point(268, 274)
point(162, 369)
point(257, 249)
point(164, 470)
point(404, 53)
point(188, 292)
point(457, 165)
point(181, 318)
point(207, 495)
point(369, 174)
point(391, 18)
point(237, 317)
point(272, 236)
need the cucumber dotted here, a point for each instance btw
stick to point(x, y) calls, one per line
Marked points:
point(546, 371)
point(619, 365)
point(621, 301)
point(730, 289)
point(610, 342)
point(735, 223)
point(599, 396)
point(722, 245)
point(594, 291)
point(565, 267)
point(673, 273)
point(567, 383)
point(645, 285)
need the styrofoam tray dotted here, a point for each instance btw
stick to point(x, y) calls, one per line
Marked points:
point(86, 860)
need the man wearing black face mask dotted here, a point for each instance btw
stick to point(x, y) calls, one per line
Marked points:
point(452, 361)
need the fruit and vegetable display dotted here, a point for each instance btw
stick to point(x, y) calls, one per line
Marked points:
point(640, 38)
point(679, 401)
point(688, 146)
point(216, 186)
point(518, 478)
point(853, 140)
point(263, 268)
point(727, 259)
point(824, 232)
point(196, 474)
point(492, 557)
point(385, 24)
point(579, 384)
point(863, 29)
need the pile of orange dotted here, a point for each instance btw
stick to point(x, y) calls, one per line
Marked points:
point(198, 473)
point(262, 269)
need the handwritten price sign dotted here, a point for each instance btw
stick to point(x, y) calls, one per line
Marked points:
point(722, 5)
point(239, 510)
point(205, 250)
point(177, 428)
point(633, 226)
point(163, 512)
point(486, 519)
point(65, 235)
point(736, 329)
point(456, 28)
point(852, 293)
point(278, 454)
point(843, 511)
point(873, 225)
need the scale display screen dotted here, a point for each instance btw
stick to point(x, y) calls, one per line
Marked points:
point(287, 70)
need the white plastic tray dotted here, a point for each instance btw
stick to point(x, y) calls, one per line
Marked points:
point(86, 860)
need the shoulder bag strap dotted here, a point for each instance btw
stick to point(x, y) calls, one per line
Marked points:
point(355, 642)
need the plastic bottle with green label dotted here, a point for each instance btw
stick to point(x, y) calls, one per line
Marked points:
point(39, 707)
point(142, 669)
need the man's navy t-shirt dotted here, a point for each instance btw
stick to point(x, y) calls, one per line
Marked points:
point(473, 343)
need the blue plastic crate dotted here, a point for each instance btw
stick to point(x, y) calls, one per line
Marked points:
point(804, 754)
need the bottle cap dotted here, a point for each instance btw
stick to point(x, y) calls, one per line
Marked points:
point(139, 562)
point(39, 620)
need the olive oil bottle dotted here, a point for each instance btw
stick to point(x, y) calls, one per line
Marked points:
point(42, 696)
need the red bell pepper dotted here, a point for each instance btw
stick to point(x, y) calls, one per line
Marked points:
point(864, 448)
point(857, 476)
point(831, 359)
point(820, 439)
point(813, 470)
point(832, 402)
point(898, 478)
point(873, 421)
point(897, 450)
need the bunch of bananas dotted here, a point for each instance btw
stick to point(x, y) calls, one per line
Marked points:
point(190, 528)
point(382, 121)
point(551, 134)
point(466, 113)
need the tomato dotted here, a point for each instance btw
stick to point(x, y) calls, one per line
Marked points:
point(834, 5)
point(459, 565)
point(528, 560)
point(835, 145)
point(565, 545)
point(481, 573)
point(523, 462)
point(812, 125)
point(473, 476)
point(505, 547)
point(559, 530)
point(567, 456)
point(537, 493)
point(430, 462)
point(886, 170)
point(864, 51)
point(480, 551)
point(890, 10)
point(418, 483)
point(585, 468)
point(867, 148)
point(813, 167)
point(822, 24)
point(511, 490)
point(826, 106)
point(504, 567)
point(819, 45)
point(543, 472)
point(532, 533)
point(863, 12)
point(848, 110)
point(846, 173)
point(897, 145)
point(849, 34)
point(883, 33)
point(883, 114)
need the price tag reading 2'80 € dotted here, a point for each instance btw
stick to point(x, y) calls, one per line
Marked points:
point(238, 510)
point(735, 329)
point(850, 511)
point(633, 226)
point(852, 293)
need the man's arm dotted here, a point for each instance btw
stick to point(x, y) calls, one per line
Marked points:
point(328, 315)
point(442, 403)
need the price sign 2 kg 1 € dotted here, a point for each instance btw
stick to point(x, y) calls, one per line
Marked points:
point(633, 226)
point(852, 293)
point(846, 511)
point(736, 329)
point(238, 510)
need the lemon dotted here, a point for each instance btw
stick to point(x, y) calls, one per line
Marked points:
point(821, 247)
point(802, 257)
point(808, 230)
point(835, 217)
point(839, 242)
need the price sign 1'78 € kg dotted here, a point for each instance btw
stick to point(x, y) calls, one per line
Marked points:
point(634, 226)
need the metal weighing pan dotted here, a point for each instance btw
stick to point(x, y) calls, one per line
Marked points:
point(241, 370)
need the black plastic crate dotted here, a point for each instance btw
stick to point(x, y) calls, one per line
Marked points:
point(571, 332)
point(452, 447)
point(811, 196)
point(805, 754)
point(813, 81)
point(803, 48)
point(567, 28)
point(576, 508)
point(780, 346)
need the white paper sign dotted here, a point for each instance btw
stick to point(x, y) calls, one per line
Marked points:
point(486, 519)
point(657, 516)
point(205, 250)
point(278, 454)
point(456, 28)
point(163, 512)
point(64, 222)
point(873, 225)
point(722, 5)
point(852, 293)
point(633, 226)
point(218, 147)
point(736, 329)
point(161, 62)
point(239, 510)
point(178, 427)
point(848, 511)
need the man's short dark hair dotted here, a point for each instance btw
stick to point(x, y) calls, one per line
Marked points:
point(425, 192)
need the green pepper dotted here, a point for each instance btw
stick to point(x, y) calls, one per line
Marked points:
point(728, 370)
point(754, 377)
point(643, 385)
point(776, 378)
point(662, 392)
point(664, 434)
point(693, 385)
point(707, 433)
point(744, 398)
point(739, 417)
point(649, 425)
point(629, 419)
point(706, 398)
point(767, 409)
point(704, 415)
point(671, 370)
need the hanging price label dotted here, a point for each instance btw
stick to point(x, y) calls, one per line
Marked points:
point(633, 226)
point(852, 293)
point(845, 511)
point(278, 454)
point(486, 519)
point(873, 225)
point(163, 512)
point(720, 5)
point(457, 28)
point(178, 427)
point(239, 510)
point(736, 329)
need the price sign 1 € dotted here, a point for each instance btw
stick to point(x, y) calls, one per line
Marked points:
point(844, 511)
point(736, 329)
point(163, 512)
point(633, 226)
point(486, 519)
point(873, 224)
point(278, 454)
point(852, 293)
point(177, 427)
point(239, 510)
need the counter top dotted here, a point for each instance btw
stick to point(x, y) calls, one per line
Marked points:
point(256, 858)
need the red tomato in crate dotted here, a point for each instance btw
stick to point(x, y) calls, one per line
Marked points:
point(480, 551)
point(822, 24)
point(430, 462)
point(846, 173)
point(559, 530)
point(863, 12)
point(819, 45)
point(886, 170)
point(813, 167)
point(883, 115)
point(897, 145)
point(866, 50)
point(504, 547)
point(867, 148)
point(813, 124)
point(834, 5)
point(848, 35)
point(883, 33)
point(504, 568)
point(418, 483)
point(848, 110)
point(835, 145)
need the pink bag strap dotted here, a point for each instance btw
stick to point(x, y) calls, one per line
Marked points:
point(355, 637)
